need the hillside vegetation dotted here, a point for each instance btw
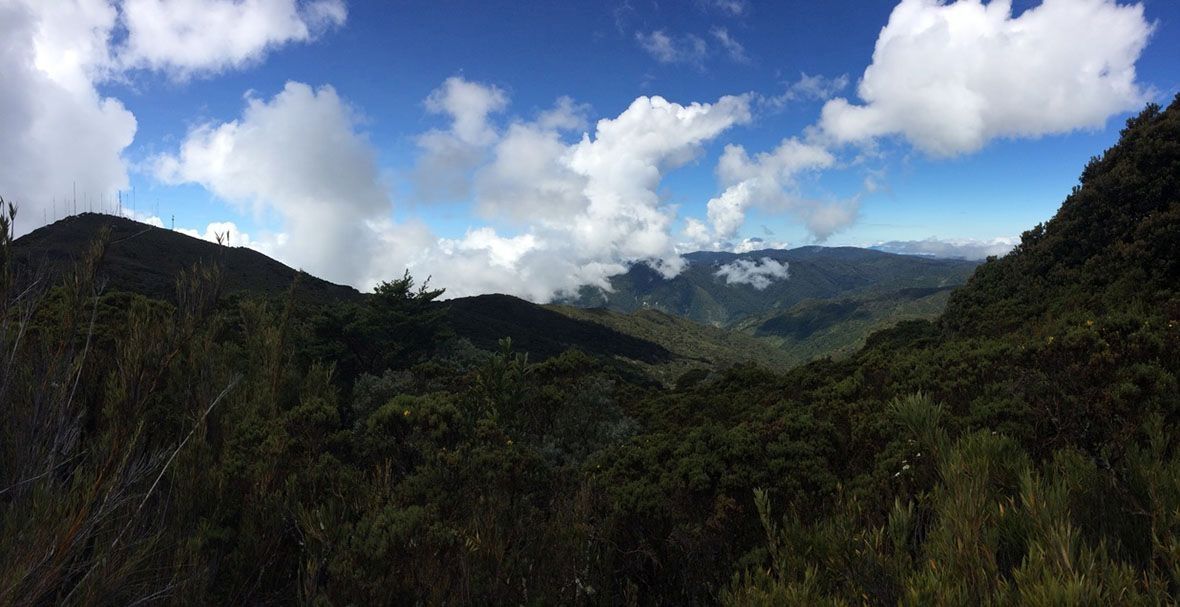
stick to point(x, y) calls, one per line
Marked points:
point(694, 346)
point(816, 273)
point(1021, 449)
point(838, 327)
point(832, 300)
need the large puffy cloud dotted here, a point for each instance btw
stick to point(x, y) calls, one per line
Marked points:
point(529, 180)
point(60, 134)
point(448, 157)
point(589, 207)
point(194, 36)
point(749, 245)
point(951, 77)
point(300, 155)
point(768, 180)
point(586, 209)
point(624, 164)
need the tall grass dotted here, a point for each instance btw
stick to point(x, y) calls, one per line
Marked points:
point(82, 520)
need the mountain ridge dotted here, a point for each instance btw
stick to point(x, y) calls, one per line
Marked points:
point(146, 259)
point(814, 273)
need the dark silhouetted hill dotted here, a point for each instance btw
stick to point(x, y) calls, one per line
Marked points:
point(146, 259)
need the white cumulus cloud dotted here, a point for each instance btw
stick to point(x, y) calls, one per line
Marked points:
point(186, 37)
point(300, 155)
point(949, 77)
point(584, 209)
point(591, 205)
point(60, 134)
point(756, 273)
point(768, 180)
point(443, 171)
point(749, 245)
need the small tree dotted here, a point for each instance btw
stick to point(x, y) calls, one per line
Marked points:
point(392, 328)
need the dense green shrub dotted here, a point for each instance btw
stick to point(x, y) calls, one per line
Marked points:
point(1021, 450)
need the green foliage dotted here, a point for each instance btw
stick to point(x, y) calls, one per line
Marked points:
point(838, 328)
point(212, 450)
point(500, 382)
point(694, 346)
point(395, 327)
point(988, 529)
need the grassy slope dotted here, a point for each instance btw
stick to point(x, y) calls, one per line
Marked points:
point(778, 339)
point(544, 333)
point(839, 327)
point(693, 345)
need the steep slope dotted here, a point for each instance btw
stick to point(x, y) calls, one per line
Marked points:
point(1114, 241)
point(145, 259)
point(1038, 416)
point(816, 273)
point(1073, 339)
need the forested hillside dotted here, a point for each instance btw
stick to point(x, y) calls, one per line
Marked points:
point(814, 302)
point(702, 294)
point(838, 327)
point(199, 449)
point(694, 346)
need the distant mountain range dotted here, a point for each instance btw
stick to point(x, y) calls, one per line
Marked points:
point(826, 301)
point(702, 292)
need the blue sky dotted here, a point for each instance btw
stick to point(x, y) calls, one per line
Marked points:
point(896, 179)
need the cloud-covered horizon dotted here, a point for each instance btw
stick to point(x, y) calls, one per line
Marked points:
point(955, 248)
